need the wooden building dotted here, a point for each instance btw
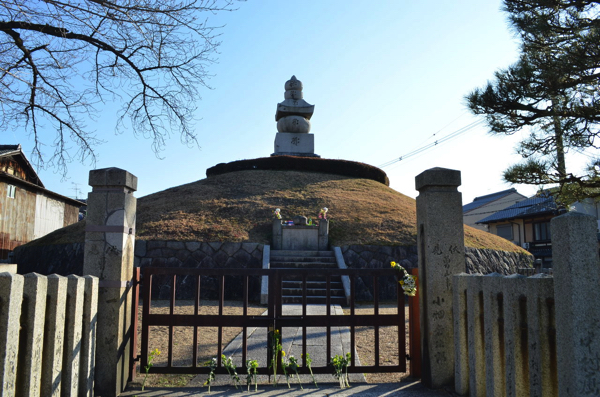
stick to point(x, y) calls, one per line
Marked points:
point(27, 209)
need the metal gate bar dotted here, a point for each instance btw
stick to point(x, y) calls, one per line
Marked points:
point(275, 318)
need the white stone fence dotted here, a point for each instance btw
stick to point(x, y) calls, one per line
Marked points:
point(533, 336)
point(505, 335)
point(47, 334)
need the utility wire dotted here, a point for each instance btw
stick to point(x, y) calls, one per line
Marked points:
point(433, 144)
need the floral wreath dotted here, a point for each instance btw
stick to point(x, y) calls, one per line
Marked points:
point(407, 281)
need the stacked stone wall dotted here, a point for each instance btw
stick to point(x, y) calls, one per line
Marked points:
point(67, 259)
point(377, 257)
point(486, 261)
point(200, 255)
point(63, 259)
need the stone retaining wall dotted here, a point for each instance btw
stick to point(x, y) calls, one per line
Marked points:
point(199, 255)
point(68, 259)
point(487, 261)
point(63, 259)
point(483, 261)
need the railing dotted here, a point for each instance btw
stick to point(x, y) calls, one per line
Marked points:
point(274, 318)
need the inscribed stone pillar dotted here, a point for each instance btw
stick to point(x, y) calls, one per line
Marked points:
point(440, 239)
point(576, 295)
point(109, 245)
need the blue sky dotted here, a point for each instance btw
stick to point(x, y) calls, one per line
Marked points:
point(386, 77)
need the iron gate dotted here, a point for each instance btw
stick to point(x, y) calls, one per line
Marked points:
point(274, 319)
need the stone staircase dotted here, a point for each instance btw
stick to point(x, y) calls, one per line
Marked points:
point(316, 287)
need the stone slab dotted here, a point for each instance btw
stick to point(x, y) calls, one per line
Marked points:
point(88, 344)
point(461, 346)
point(54, 335)
point(577, 274)
point(286, 142)
point(29, 373)
point(494, 352)
point(11, 293)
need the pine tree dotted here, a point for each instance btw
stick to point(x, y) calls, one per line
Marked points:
point(553, 89)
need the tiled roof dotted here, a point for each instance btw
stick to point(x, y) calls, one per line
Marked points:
point(536, 205)
point(483, 200)
point(5, 149)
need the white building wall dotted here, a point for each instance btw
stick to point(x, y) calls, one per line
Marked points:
point(49, 215)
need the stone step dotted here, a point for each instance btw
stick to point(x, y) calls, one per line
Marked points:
point(316, 282)
point(290, 258)
point(305, 265)
point(312, 292)
point(340, 300)
point(302, 253)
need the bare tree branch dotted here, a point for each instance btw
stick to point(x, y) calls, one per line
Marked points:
point(60, 60)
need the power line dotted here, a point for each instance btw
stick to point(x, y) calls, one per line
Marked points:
point(433, 144)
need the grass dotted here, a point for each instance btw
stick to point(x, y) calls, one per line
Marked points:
point(238, 206)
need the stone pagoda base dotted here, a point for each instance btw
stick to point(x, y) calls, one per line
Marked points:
point(294, 144)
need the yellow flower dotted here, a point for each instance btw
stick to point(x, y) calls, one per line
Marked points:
point(276, 331)
point(393, 264)
point(283, 353)
point(401, 282)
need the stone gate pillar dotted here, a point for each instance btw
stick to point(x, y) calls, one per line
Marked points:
point(576, 293)
point(440, 239)
point(108, 255)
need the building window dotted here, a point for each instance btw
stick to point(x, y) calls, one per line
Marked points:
point(541, 231)
point(11, 191)
point(505, 231)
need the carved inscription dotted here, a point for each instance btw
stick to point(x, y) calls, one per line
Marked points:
point(590, 366)
point(295, 141)
point(440, 357)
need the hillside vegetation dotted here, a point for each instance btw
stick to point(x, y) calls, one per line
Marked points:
point(237, 206)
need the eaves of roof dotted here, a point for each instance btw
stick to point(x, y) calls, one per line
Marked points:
point(33, 186)
point(529, 208)
point(483, 200)
point(15, 150)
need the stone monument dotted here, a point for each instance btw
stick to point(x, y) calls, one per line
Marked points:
point(293, 123)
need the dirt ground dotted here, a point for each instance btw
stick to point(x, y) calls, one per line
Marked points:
point(388, 344)
point(207, 340)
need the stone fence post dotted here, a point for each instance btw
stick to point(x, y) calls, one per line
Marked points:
point(277, 234)
point(576, 293)
point(440, 241)
point(109, 246)
point(323, 235)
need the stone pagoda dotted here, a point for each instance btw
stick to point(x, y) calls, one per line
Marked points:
point(293, 123)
